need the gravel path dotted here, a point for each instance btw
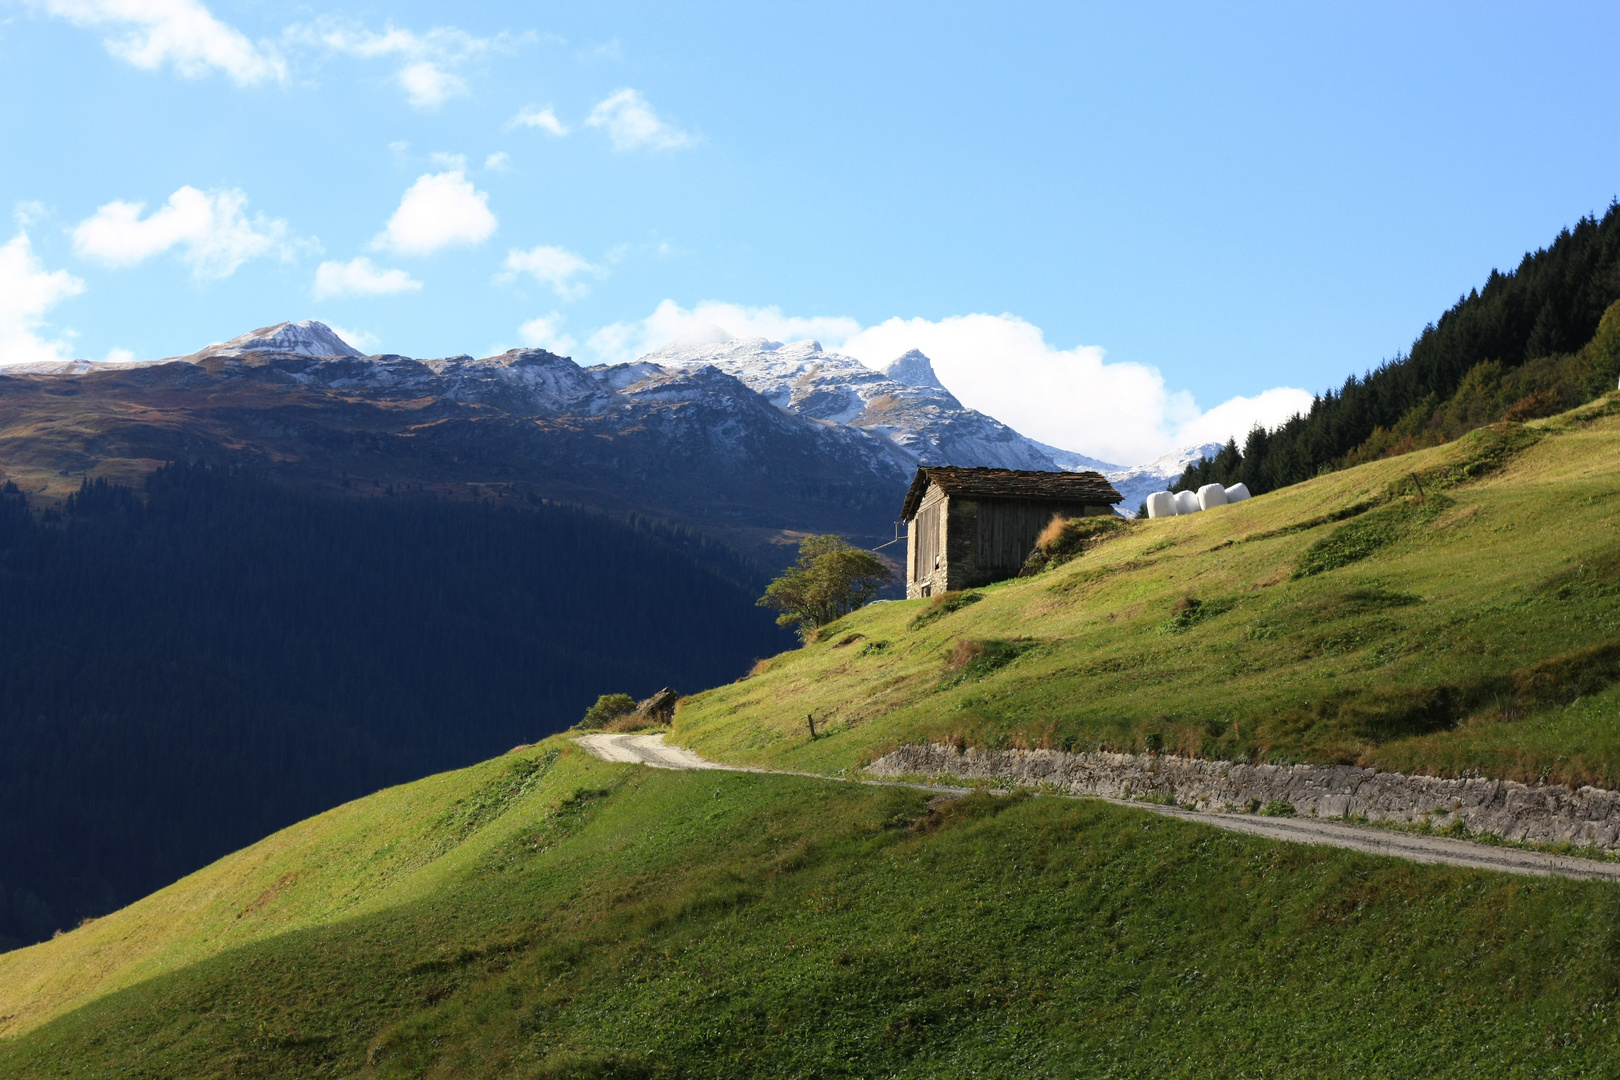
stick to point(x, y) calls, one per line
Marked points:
point(652, 750)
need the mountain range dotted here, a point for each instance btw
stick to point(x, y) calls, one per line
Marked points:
point(753, 441)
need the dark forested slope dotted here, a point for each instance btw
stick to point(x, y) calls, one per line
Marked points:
point(185, 672)
point(1509, 349)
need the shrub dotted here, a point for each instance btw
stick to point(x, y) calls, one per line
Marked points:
point(608, 707)
point(632, 721)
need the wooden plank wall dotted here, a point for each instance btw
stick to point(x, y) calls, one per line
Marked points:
point(1008, 528)
point(925, 527)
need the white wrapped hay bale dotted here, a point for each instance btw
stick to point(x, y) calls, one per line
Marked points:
point(1210, 496)
point(1237, 493)
point(1161, 504)
point(1187, 503)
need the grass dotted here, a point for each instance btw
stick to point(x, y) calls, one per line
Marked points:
point(546, 914)
point(605, 920)
point(1447, 611)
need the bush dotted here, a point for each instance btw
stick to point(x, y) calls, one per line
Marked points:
point(608, 707)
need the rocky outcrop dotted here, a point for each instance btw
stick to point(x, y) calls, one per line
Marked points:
point(1534, 813)
point(658, 709)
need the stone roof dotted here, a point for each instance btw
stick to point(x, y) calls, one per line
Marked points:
point(1073, 487)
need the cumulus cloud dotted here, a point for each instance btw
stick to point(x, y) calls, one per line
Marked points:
point(545, 332)
point(181, 33)
point(999, 364)
point(358, 277)
point(209, 228)
point(439, 210)
point(544, 119)
point(431, 58)
point(631, 124)
point(499, 161)
point(27, 292)
point(363, 340)
point(1072, 398)
point(711, 321)
point(553, 266)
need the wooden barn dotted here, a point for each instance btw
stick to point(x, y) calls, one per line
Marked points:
point(969, 527)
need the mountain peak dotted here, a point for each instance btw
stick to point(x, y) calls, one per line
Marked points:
point(914, 369)
point(307, 338)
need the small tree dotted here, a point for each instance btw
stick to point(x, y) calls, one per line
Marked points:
point(830, 580)
point(608, 707)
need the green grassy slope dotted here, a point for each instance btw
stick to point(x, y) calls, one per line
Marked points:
point(597, 920)
point(1474, 626)
point(548, 914)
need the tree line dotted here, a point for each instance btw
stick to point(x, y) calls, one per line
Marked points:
point(1512, 349)
point(187, 668)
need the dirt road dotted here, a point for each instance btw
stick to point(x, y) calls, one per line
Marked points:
point(652, 750)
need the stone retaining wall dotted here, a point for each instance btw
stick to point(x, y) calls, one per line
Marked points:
point(1538, 813)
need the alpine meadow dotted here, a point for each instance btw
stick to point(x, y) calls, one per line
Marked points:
point(930, 542)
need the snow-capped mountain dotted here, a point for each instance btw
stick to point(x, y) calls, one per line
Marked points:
point(906, 403)
point(307, 338)
point(1140, 481)
point(750, 440)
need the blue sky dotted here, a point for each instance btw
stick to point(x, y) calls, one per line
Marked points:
point(1118, 228)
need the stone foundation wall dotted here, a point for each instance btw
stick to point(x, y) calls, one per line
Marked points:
point(1538, 813)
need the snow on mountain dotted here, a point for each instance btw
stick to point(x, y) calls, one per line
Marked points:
point(307, 338)
point(1069, 461)
point(913, 369)
point(896, 417)
point(1139, 481)
point(906, 403)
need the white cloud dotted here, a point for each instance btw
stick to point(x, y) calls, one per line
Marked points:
point(438, 210)
point(998, 364)
point(427, 85)
point(1233, 418)
point(214, 234)
point(544, 119)
point(631, 124)
point(554, 266)
point(360, 339)
point(358, 277)
point(27, 292)
point(181, 33)
point(116, 355)
point(499, 161)
point(456, 162)
point(711, 321)
point(1073, 398)
point(431, 58)
point(545, 333)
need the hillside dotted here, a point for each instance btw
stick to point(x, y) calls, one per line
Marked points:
point(190, 667)
point(1449, 610)
point(545, 913)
